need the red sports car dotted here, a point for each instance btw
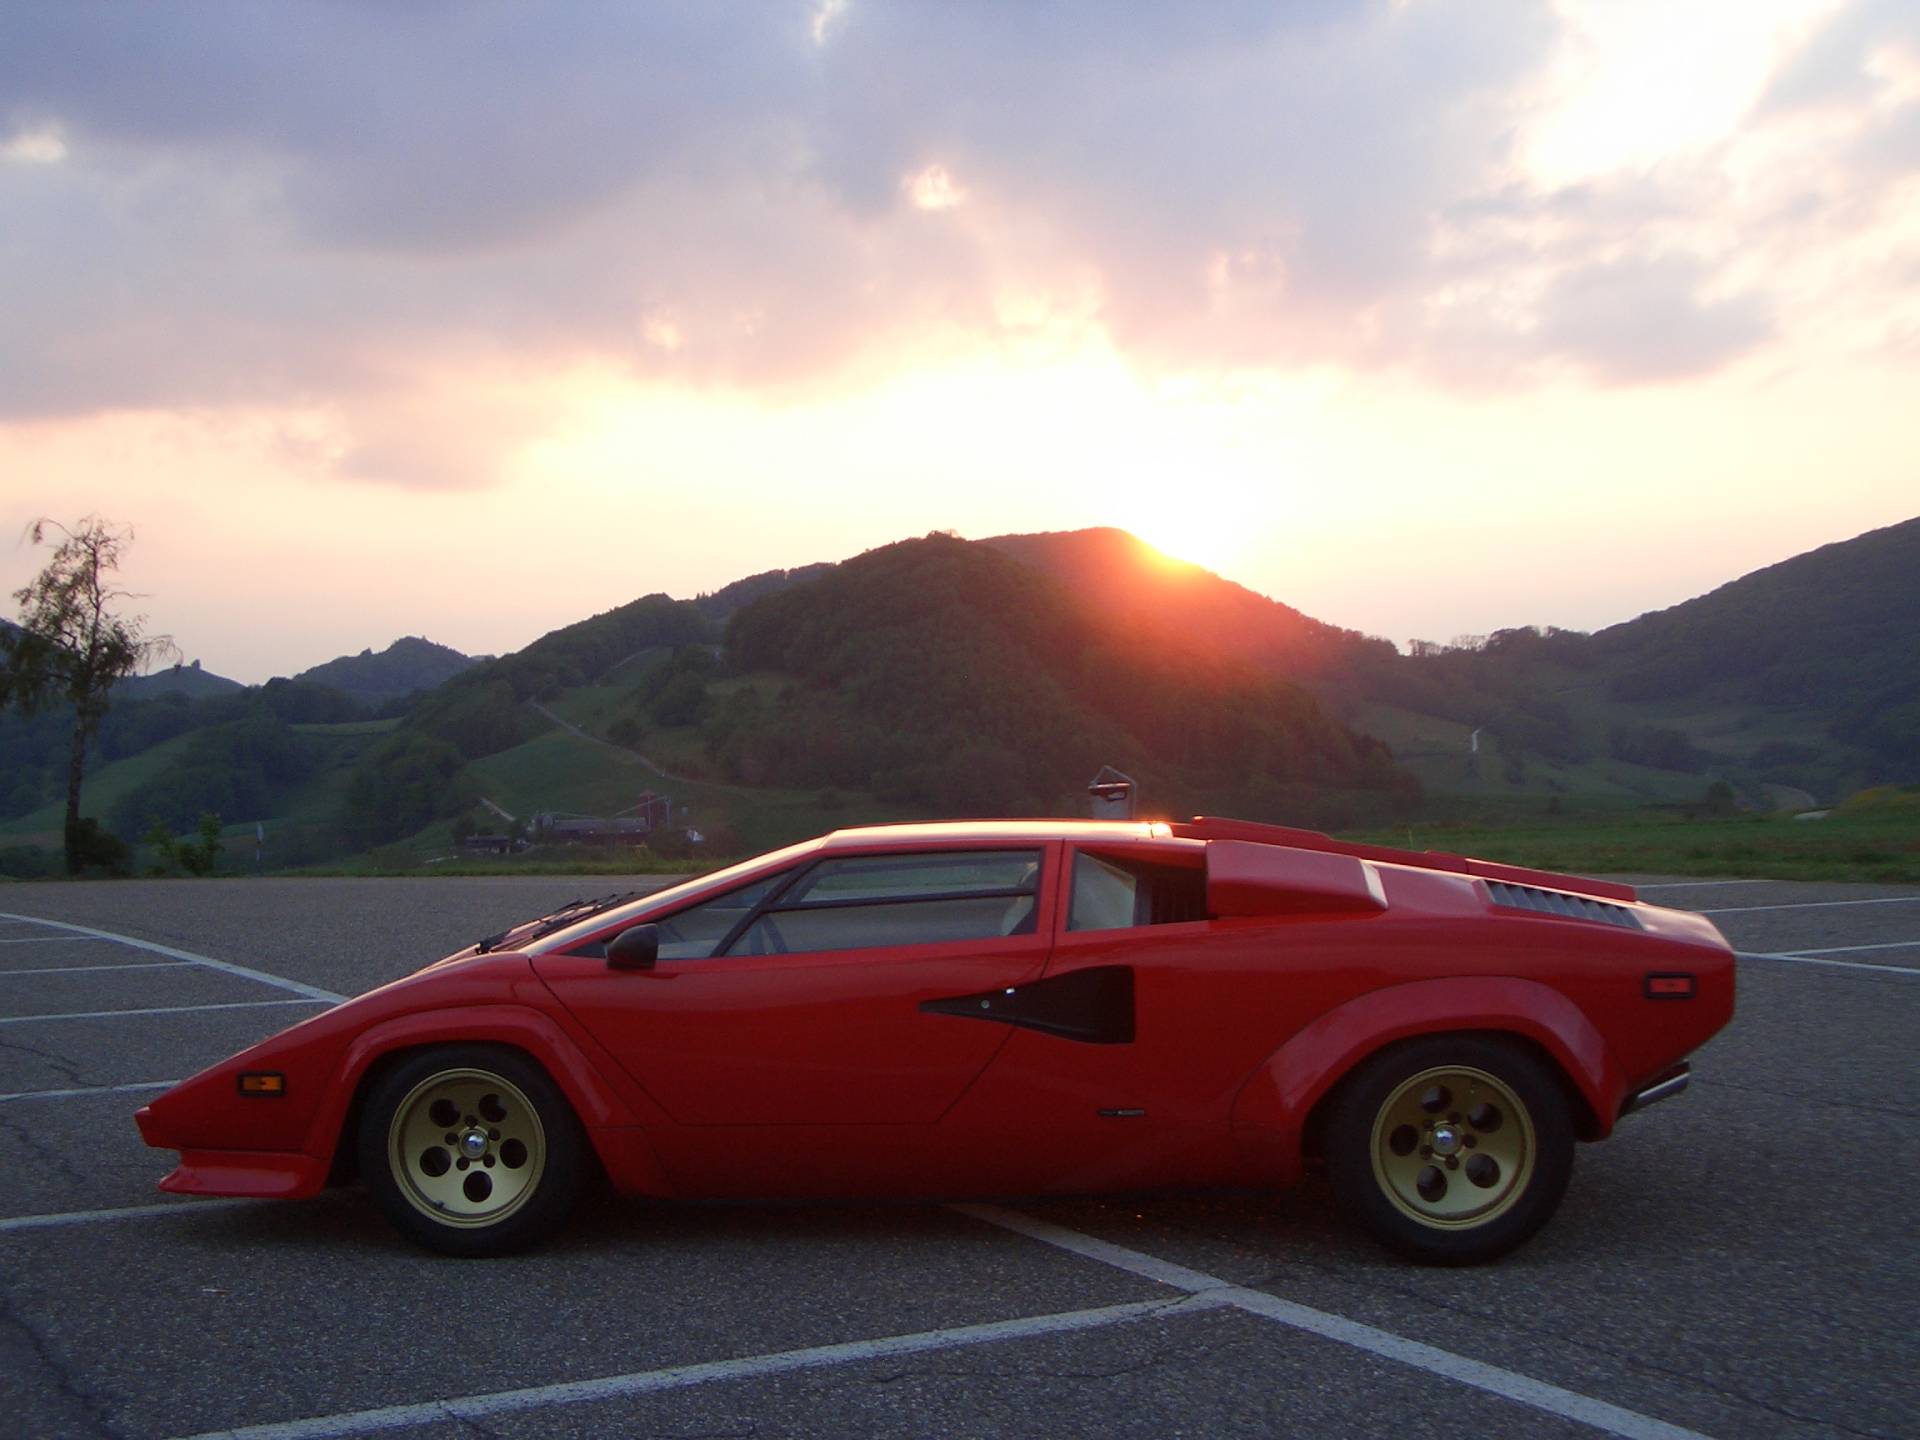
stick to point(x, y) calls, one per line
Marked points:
point(994, 1008)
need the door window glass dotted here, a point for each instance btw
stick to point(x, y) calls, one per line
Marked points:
point(693, 933)
point(922, 899)
point(887, 877)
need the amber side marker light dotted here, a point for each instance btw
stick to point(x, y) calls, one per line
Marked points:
point(262, 1082)
point(1669, 987)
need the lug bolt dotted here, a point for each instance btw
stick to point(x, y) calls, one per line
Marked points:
point(493, 1134)
point(1426, 1152)
point(1469, 1141)
point(452, 1139)
point(487, 1160)
point(1453, 1119)
point(1453, 1162)
point(461, 1162)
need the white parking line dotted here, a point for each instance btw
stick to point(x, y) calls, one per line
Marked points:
point(1699, 884)
point(154, 1010)
point(124, 1212)
point(1510, 1385)
point(476, 1408)
point(1793, 959)
point(50, 939)
point(312, 992)
point(1811, 905)
point(81, 1090)
point(1848, 949)
point(84, 969)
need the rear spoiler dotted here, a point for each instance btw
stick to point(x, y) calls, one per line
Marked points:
point(1207, 827)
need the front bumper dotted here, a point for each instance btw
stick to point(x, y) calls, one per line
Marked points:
point(257, 1174)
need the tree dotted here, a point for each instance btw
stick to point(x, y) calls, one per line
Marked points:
point(71, 645)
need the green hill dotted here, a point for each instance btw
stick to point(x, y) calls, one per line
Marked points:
point(409, 665)
point(950, 674)
point(937, 677)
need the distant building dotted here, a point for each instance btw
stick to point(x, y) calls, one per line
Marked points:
point(631, 827)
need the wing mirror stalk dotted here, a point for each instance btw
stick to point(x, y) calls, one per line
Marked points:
point(635, 948)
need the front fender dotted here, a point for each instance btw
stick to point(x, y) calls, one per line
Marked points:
point(1276, 1100)
point(610, 1123)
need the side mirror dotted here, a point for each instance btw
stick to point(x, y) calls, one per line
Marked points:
point(635, 948)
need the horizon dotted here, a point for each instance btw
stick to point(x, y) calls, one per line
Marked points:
point(187, 660)
point(1424, 320)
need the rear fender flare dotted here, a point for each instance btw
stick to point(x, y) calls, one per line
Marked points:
point(1282, 1093)
point(600, 1109)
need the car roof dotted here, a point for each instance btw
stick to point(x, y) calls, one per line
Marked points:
point(967, 831)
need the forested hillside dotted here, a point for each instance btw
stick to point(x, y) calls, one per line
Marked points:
point(950, 674)
point(939, 676)
point(1836, 631)
point(407, 666)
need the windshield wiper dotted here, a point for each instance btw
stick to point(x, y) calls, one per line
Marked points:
point(567, 914)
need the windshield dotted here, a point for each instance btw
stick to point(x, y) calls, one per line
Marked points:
point(579, 926)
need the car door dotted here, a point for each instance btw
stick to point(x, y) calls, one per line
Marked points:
point(798, 1001)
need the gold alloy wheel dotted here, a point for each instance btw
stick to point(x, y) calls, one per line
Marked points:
point(466, 1148)
point(1453, 1147)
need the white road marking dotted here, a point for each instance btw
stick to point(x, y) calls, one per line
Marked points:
point(1811, 905)
point(312, 992)
point(679, 1377)
point(50, 939)
point(125, 1212)
point(1793, 959)
point(84, 969)
point(1510, 1385)
point(89, 1090)
point(154, 1010)
point(1699, 884)
point(1848, 949)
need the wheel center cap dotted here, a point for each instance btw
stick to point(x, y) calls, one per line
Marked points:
point(473, 1144)
point(1446, 1140)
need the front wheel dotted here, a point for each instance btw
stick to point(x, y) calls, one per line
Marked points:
point(1451, 1149)
point(471, 1150)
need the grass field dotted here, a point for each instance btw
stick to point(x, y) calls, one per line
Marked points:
point(1874, 837)
point(105, 784)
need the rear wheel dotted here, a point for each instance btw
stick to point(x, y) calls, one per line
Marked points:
point(471, 1150)
point(1451, 1149)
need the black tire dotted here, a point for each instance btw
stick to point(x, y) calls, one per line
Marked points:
point(471, 1150)
point(1451, 1149)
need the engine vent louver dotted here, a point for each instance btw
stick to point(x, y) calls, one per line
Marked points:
point(1558, 902)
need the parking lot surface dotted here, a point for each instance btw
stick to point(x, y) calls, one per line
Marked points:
point(1741, 1262)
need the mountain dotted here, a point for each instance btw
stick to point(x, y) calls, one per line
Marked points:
point(1175, 602)
point(723, 602)
point(953, 675)
point(940, 676)
point(408, 665)
point(1835, 630)
point(188, 680)
point(1798, 675)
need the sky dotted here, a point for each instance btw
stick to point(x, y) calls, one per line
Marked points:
point(472, 319)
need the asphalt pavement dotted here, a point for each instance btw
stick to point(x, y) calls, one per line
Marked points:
point(1740, 1262)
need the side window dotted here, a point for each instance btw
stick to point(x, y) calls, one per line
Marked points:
point(917, 899)
point(1103, 895)
point(1115, 895)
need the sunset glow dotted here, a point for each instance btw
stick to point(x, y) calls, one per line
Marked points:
point(1422, 318)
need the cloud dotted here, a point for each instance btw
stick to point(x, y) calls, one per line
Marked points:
point(1642, 320)
point(321, 204)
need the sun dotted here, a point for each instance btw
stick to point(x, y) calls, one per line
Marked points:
point(1209, 540)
